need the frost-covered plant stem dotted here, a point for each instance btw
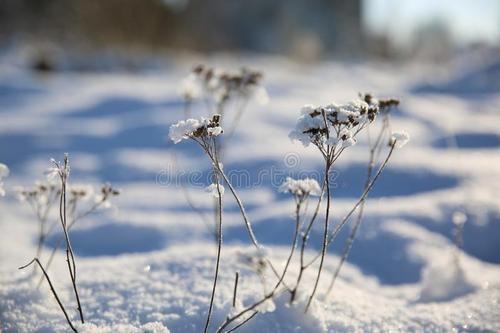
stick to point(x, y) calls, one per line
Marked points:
point(62, 239)
point(352, 234)
point(363, 196)
point(298, 204)
point(337, 229)
point(246, 220)
point(42, 219)
point(53, 291)
point(243, 322)
point(219, 238)
point(325, 234)
point(189, 200)
point(235, 290)
point(70, 258)
point(305, 237)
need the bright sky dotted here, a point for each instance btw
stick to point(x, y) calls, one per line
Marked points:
point(467, 20)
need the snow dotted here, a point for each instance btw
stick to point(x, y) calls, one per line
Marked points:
point(301, 187)
point(400, 139)
point(148, 264)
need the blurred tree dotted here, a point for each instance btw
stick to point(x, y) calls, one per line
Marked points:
point(306, 29)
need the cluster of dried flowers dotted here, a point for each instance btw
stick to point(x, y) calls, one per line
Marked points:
point(223, 86)
point(331, 129)
point(201, 129)
point(42, 197)
point(300, 188)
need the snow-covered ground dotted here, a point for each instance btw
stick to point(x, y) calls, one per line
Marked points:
point(147, 264)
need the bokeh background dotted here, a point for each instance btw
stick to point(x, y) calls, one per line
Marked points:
point(302, 30)
point(101, 79)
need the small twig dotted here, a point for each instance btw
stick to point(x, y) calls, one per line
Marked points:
point(243, 322)
point(70, 258)
point(305, 237)
point(274, 291)
point(236, 277)
point(247, 221)
point(352, 235)
point(337, 229)
point(53, 291)
point(219, 241)
point(61, 239)
point(325, 236)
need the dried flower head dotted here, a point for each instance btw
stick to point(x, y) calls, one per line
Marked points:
point(195, 128)
point(333, 124)
point(399, 139)
point(39, 195)
point(300, 187)
point(107, 191)
point(58, 169)
point(80, 192)
point(223, 86)
point(459, 218)
point(384, 105)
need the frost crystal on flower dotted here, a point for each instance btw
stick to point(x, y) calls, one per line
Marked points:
point(58, 169)
point(346, 138)
point(309, 126)
point(52, 173)
point(214, 131)
point(212, 190)
point(399, 139)
point(332, 124)
point(195, 128)
point(4, 172)
point(300, 187)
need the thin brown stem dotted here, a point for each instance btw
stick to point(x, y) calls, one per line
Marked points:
point(273, 292)
point(243, 322)
point(61, 239)
point(70, 258)
point(305, 238)
point(245, 311)
point(246, 219)
point(342, 223)
point(53, 291)
point(235, 290)
point(352, 235)
point(325, 235)
point(219, 244)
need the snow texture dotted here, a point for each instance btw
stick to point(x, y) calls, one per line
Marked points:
point(147, 265)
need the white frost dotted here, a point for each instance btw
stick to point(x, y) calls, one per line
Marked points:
point(300, 187)
point(401, 138)
point(213, 191)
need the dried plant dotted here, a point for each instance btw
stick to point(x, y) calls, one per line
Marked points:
point(43, 195)
point(218, 88)
point(42, 198)
point(331, 129)
point(375, 147)
point(204, 132)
